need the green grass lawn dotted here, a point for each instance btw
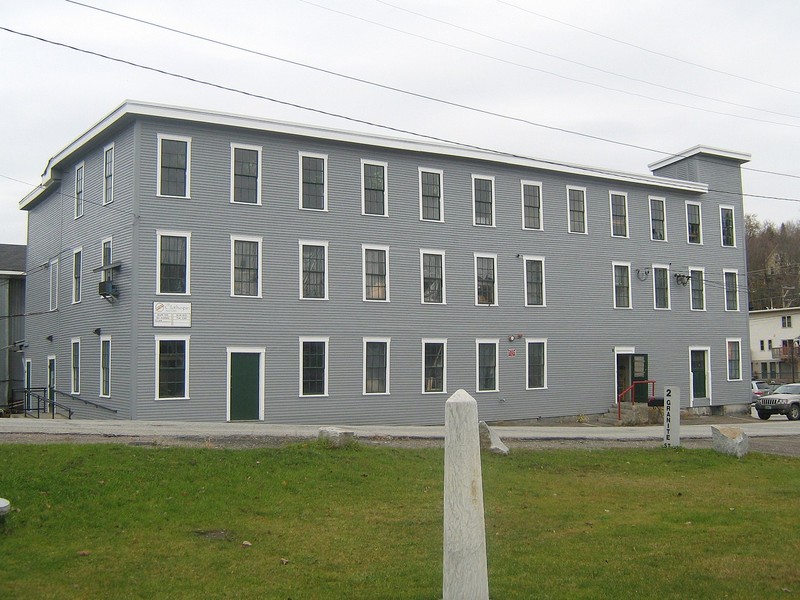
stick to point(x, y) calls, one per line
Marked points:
point(113, 521)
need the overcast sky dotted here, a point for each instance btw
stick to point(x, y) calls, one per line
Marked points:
point(655, 77)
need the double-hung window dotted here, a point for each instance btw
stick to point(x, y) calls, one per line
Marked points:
point(174, 250)
point(79, 170)
point(376, 365)
point(483, 200)
point(576, 209)
point(375, 261)
point(106, 259)
point(622, 285)
point(374, 193)
point(246, 266)
point(786, 322)
point(76, 366)
point(432, 276)
point(619, 214)
point(434, 366)
point(734, 359)
point(727, 226)
point(532, 205)
point(485, 279)
point(658, 219)
point(486, 371)
point(314, 366)
point(172, 367)
point(731, 279)
point(697, 283)
point(694, 221)
point(661, 287)
point(313, 181)
point(105, 366)
point(534, 281)
point(431, 203)
point(174, 166)
point(313, 270)
point(77, 274)
point(245, 174)
point(537, 364)
point(108, 174)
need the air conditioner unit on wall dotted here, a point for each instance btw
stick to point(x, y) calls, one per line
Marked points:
point(108, 289)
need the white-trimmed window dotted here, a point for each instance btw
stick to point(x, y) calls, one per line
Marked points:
point(54, 284)
point(661, 295)
point(576, 209)
point(486, 376)
point(431, 195)
point(727, 224)
point(731, 279)
point(313, 181)
point(374, 192)
point(483, 200)
point(694, 223)
point(619, 214)
point(75, 352)
point(313, 270)
point(108, 174)
point(246, 266)
point(77, 274)
point(314, 366)
point(658, 219)
point(434, 366)
point(376, 354)
point(245, 174)
point(172, 367)
point(534, 281)
point(622, 285)
point(79, 182)
point(734, 349)
point(786, 322)
point(106, 258)
point(174, 166)
point(485, 279)
point(536, 361)
point(375, 272)
point(532, 205)
point(431, 266)
point(697, 288)
point(174, 262)
point(105, 366)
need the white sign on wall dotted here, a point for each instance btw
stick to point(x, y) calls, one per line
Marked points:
point(172, 314)
point(672, 417)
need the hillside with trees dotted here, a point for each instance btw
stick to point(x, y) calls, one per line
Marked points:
point(773, 263)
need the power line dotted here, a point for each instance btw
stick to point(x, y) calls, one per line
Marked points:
point(578, 63)
point(530, 68)
point(601, 171)
point(648, 50)
point(388, 87)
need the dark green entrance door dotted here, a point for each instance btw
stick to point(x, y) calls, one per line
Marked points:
point(245, 386)
point(698, 364)
point(642, 391)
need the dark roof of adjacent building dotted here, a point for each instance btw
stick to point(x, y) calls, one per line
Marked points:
point(12, 259)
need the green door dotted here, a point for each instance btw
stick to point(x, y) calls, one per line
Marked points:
point(641, 391)
point(245, 386)
point(698, 364)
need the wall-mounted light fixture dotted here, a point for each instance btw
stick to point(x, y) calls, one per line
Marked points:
point(96, 331)
point(514, 336)
point(49, 338)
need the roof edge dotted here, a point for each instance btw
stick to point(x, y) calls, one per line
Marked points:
point(740, 157)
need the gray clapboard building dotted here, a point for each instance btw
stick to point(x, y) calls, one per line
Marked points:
point(192, 265)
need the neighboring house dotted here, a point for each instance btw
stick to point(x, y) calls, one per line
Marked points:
point(775, 344)
point(12, 320)
point(206, 266)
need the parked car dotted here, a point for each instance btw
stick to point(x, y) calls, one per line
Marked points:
point(785, 400)
point(760, 388)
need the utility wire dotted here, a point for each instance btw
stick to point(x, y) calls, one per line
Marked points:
point(648, 50)
point(530, 68)
point(388, 87)
point(578, 63)
point(607, 172)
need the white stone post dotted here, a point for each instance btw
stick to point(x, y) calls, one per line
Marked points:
point(465, 573)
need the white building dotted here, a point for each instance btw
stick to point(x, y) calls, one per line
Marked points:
point(774, 350)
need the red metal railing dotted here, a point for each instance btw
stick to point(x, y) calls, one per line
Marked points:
point(630, 389)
